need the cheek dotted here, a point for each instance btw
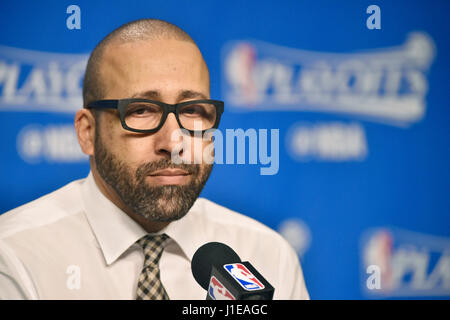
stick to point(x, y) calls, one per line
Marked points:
point(108, 128)
point(115, 140)
point(135, 151)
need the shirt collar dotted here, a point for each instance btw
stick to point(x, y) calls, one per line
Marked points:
point(115, 231)
point(189, 232)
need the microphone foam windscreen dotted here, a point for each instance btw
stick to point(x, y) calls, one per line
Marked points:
point(209, 255)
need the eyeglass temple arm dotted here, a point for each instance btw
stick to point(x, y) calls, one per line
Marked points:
point(103, 104)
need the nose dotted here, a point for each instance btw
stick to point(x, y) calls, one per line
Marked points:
point(165, 140)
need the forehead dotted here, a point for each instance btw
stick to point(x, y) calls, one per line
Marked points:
point(163, 66)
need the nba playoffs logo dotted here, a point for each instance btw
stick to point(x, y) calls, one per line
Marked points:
point(217, 290)
point(404, 263)
point(386, 85)
point(40, 81)
point(243, 276)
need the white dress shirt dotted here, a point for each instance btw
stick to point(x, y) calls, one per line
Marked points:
point(74, 243)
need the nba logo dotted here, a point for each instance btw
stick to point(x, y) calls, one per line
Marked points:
point(217, 291)
point(243, 276)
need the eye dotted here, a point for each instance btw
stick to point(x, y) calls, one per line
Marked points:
point(193, 110)
point(142, 109)
point(201, 111)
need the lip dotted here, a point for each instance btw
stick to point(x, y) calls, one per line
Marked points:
point(170, 172)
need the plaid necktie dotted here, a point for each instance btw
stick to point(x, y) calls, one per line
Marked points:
point(149, 284)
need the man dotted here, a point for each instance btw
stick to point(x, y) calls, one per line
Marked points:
point(130, 229)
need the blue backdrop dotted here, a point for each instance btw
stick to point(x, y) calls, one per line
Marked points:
point(362, 186)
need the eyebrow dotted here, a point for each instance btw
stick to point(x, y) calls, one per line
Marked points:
point(182, 95)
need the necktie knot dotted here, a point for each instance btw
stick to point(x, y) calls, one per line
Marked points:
point(153, 246)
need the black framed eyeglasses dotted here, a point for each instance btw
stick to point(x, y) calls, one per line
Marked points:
point(148, 116)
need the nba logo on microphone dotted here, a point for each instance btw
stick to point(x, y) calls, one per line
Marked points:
point(243, 276)
point(217, 290)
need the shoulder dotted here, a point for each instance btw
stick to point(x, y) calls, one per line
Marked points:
point(220, 215)
point(245, 233)
point(255, 242)
point(42, 211)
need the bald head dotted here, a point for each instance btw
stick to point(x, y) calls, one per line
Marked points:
point(139, 30)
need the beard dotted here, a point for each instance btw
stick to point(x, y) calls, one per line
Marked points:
point(155, 203)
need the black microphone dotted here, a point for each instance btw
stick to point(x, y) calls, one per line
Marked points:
point(219, 270)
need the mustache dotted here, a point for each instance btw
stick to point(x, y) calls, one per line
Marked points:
point(149, 167)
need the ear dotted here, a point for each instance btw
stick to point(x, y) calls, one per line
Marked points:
point(85, 128)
